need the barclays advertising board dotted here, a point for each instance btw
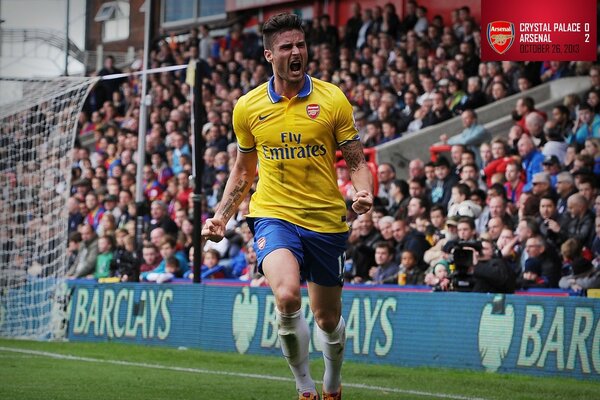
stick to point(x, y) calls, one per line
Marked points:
point(165, 315)
point(556, 336)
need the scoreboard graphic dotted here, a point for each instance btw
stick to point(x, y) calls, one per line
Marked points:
point(538, 30)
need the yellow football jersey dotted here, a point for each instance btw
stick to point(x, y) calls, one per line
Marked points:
point(296, 140)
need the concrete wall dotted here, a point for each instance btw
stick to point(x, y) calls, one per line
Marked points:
point(496, 117)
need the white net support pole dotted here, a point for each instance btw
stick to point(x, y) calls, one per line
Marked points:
point(38, 124)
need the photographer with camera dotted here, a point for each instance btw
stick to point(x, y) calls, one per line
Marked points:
point(492, 274)
point(461, 278)
point(478, 267)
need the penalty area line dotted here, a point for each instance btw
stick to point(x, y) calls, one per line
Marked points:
point(58, 356)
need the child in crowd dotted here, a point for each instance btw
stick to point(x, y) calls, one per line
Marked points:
point(172, 267)
point(172, 270)
point(438, 278)
point(409, 274)
point(241, 266)
point(569, 251)
point(584, 276)
point(210, 265)
point(105, 256)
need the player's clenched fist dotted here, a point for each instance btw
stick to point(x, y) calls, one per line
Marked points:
point(362, 202)
point(213, 229)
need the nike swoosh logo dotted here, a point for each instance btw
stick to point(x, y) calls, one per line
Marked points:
point(263, 117)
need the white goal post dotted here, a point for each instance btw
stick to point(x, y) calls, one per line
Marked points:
point(38, 124)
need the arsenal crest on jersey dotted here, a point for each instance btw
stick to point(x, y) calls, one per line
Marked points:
point(261, 242)
point(313, 110)
point(501, 35)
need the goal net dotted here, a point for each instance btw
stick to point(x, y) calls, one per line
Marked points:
point(38, 124)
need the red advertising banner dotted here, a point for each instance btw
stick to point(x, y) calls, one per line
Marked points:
point(538, 30)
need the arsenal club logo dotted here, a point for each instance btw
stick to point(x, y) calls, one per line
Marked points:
point(261, 242)
point(501, 35)
point(313, 110)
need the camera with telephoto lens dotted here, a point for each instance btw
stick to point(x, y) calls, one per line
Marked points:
point(461, 279)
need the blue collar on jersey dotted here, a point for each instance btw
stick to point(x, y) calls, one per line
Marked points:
point(305, 91)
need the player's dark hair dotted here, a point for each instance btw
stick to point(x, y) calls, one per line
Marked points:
point(280, 23)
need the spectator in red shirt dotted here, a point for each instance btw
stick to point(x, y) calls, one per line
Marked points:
point(514, 181)
point(499, 163)
point(524, 106)
point(184, 192)
point(151, 257)
point(343, 180)
point(152, 188)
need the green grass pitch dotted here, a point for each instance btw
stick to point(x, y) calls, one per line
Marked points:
point(88, 371)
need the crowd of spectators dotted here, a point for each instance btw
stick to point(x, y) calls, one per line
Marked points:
point(526, 202)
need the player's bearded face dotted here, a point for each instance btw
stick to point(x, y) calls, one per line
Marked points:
point(289, 56)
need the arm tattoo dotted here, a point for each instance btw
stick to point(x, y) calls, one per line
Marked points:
point(354, 156)
point(234, 199)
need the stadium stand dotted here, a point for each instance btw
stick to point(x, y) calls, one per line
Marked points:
point(408, 86)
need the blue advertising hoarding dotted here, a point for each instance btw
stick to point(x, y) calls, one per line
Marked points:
point(555, 336)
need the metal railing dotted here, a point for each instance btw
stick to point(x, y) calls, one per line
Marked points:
point(92, 60)
point(51, 37)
